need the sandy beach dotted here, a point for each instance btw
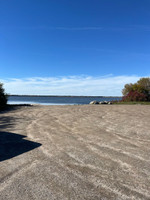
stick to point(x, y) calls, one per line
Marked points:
point(89, 152)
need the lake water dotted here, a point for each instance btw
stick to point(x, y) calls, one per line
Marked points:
point(56, 100)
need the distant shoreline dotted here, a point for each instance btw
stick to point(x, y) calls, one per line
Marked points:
point(63, 96)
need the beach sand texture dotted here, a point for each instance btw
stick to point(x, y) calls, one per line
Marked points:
point(89, 152)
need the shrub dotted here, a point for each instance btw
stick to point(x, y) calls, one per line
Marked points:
point(3, 97)
point(135, 96)
point(139, 91)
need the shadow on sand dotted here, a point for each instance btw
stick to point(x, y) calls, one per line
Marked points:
point(12, 145)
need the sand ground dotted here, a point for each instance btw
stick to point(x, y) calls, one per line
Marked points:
point(89, 152)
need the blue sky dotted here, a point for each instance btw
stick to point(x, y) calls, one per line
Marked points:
point(76, 47)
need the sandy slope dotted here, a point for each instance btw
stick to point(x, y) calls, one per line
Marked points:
point(89, 152)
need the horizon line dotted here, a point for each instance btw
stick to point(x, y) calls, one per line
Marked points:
point(36, 95)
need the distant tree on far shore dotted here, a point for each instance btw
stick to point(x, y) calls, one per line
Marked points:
point(139, 91)
point(3, 97)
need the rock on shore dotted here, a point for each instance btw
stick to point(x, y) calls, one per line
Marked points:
point(101, 102)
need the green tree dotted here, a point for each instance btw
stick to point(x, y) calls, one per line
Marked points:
point(145, 84)
point(127, 88)
point(3, 97)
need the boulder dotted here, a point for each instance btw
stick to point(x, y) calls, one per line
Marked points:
point(103, 102)
point(94, 102)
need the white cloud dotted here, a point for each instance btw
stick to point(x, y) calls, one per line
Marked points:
point(108, 85)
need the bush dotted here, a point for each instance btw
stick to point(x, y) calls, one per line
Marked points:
point(135, 96)
point(139, 91)
point(3, 97)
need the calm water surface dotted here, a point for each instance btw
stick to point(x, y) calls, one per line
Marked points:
point(56, 100)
